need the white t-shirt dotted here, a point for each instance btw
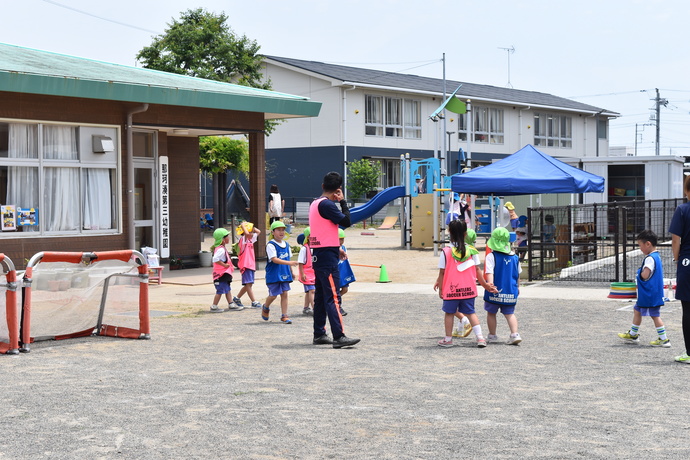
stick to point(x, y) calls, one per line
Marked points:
point(442, 260)
point(650, 264)
point(271, 249)
point(276, 205)
point(219, 255)
point(490, 263)
point(302, 257)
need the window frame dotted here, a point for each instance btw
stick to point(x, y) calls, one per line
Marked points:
point(491, 123)
point(405, 122)
point(553, 131)
point(82, 164)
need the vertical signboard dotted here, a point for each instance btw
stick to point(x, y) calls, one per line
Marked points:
point(164, 207)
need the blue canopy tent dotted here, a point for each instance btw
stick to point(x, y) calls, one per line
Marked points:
point(527, 171)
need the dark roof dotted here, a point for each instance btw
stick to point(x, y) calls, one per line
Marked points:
point(435, 85)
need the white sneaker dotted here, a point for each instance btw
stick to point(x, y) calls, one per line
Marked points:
point(492, 338)
point(514, 339)
point(232, 306)
point(216, 309)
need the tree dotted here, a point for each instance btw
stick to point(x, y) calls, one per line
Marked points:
point(201, 44)
point(218, 154)
point(363, 177)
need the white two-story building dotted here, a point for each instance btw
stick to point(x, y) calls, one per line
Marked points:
point(381, 115)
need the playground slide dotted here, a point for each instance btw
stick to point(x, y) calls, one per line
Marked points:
point(376, 204)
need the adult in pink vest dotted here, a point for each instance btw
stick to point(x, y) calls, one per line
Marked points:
point(324, 220)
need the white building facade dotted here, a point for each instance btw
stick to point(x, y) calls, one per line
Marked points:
point(381, 115)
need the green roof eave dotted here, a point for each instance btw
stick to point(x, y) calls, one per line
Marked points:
point(286, 106)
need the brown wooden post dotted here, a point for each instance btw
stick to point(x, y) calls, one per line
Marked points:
point(257, 189)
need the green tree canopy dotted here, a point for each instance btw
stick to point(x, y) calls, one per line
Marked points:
point(202, 44)
point(218, 154)
point(363, 176)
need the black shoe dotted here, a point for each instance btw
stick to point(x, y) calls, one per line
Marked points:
point(343, 312)
point(323, 340)
point(344, 342)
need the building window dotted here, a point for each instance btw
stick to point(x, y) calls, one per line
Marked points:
point(393, 117)
point(390, 172)
point(553, 131)
point(603, 128)
point(487, 125)
point(51, 175)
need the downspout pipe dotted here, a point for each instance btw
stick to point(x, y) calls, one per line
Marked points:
point(345, 90)
point(130, 173)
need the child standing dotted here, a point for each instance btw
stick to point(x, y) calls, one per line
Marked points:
point(650, 292)
point(306, 272)
point(247, 262)
point(512, 215)
point(457, 282)
point(548, 235)
point(347, 276)
point(470, 240)
point(222, 270)
point(521, 242)
point(502, 269)
point(278, 272)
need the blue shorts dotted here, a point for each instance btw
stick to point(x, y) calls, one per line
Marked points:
point(464, 306)
point(222, 285)
point(515, 223)
point(309, 287)
point(248, 277)
point(495, 307)
point(275, 289)
point(649, 311)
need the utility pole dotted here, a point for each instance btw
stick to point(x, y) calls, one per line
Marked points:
point(658, 101)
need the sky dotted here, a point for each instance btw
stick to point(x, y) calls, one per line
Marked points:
point(611, 54)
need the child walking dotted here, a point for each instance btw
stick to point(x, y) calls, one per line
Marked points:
point(650, 292)
point(347, 276)
point(457, 282)
point(463, 322)
point(222, 270)
point(306, 272)
point(502, 269)
point(278, 272)
point(247, 262)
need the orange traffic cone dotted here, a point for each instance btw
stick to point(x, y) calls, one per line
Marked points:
point(383, 275)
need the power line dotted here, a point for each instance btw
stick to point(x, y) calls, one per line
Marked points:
point(100, 17)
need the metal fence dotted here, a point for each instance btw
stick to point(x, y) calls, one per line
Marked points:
point(596, 242)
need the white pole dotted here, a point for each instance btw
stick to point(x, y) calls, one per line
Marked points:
point(436, 217)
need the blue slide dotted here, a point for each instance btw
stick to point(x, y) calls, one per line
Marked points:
point(376, 204)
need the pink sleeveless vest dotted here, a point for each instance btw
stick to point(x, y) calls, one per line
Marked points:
point(324, 233)
point(218, 269)
point(308, 268)
point(459, 278)
point(246, 255)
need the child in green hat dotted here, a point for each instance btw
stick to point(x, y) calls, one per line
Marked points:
point(222, 271)
point(279, 273)
point(502, 269)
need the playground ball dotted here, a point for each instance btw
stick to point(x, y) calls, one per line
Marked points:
point(428, 213)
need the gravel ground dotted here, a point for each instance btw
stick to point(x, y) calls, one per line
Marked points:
point(232, 386)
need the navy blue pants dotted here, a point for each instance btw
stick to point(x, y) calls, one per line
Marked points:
point(326, 298)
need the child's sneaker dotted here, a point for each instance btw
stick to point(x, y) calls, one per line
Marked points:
point(456, 333)
point(629, 337)
point(237, 301)
point(265, 311)
point(661, 343)
point(445, 343)
point(285, 320)
point(234, 307)
point(514, 339)
point(684, 358)
point(308, 311)
point(256, 304)
point(492, 338)
point(466, 330)
point(216, 309)
point(481, 343)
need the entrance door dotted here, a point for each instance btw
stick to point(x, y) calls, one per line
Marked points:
point(145, 190)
